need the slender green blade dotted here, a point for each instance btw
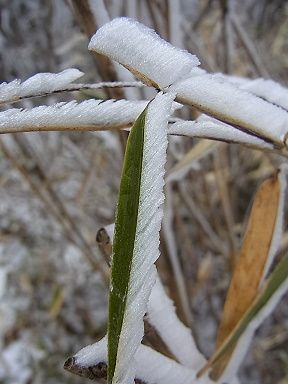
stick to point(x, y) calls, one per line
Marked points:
point(125, 229)
point(277, 278)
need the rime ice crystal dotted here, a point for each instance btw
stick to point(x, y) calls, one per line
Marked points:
point(141, 50)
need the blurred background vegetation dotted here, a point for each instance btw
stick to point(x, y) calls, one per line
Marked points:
point(58, 189)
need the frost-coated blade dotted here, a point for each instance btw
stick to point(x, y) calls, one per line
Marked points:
point(87, 115)
point(41, 83)
point(136, 239)
point(143, 52)
point(235, 106)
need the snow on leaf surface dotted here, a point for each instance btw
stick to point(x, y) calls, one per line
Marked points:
point(41, 83)
point(206, 127)
point(226, 102)
point(88, 115)
point(143, 52)
point(136, 240)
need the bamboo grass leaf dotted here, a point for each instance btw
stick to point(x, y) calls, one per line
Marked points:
point(254, 260)
point(207, 127)
point(234, 106)
point(41, 83)
point(88, 115)
point(161, 314)
point(260, 309)
point(150, 58)
point(136, 239)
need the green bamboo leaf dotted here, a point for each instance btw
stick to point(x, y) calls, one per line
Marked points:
point(136, 236)
point(262, 306)
point(125, 230)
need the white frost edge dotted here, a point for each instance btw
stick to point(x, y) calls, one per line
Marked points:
point(245, 340)
point(220, 98)
point(41, 83)
point(278, 228)
point(177, 337)
point(138, 47)
point(209, 128)
point(88, 113)
point(151, 366)
point(146, 246)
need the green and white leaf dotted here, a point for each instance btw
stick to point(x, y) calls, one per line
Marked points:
point(262, 307)
point(136, 239)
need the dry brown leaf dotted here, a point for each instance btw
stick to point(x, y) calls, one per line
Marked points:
point(251, 263)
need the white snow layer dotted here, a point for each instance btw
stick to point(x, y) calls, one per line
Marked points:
point(41, 83)
point(88, 114)
point(146, 246)
point(226, 102)
point(141, 50)
point(177, 337)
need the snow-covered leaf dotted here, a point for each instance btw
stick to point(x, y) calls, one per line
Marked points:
point(143, 52)
point(87, 115)
point(234, 106)
point(136, 239)
point(41, 83)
